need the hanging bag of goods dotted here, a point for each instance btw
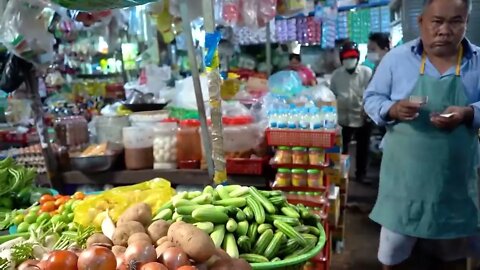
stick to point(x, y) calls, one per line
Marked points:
point(91, 5)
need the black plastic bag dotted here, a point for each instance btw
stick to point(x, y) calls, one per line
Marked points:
point(13, 74)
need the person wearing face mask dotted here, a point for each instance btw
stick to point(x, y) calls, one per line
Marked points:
point(348, 83)
point(427, 93)
point(378, 46)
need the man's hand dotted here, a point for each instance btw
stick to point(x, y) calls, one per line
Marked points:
point(404, 110)
point(457, 116)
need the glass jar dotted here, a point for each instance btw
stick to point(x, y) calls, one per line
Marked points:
point(283, 155)
point(109, 128)
point(314, 178)
point(283, 178)
point(316, 156)
point(165, 146)
point(189, 144)
point(299, 156)
point(138, 143)
point(299, 178)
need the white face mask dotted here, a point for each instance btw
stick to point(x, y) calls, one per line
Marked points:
point(373, 57)
point(350, 64)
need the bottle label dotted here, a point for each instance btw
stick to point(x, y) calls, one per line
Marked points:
point(316, 126)
point(304, 125)
point(282, 125)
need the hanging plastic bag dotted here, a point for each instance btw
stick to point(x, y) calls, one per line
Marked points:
point(185, 93)
point(285, 83)
point(13, 74)
point(231, 12)
point(267, 10)
point(250, 13)
point(24, 31)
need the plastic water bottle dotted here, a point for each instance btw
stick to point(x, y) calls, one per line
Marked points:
point(316, 119)
point(282, 118)
point(293, 119)
point(273, 118)
point(330, 118)
point(304, 119)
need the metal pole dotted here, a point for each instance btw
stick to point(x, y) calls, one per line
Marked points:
point(31, 82)
point(187, 30)
point(268, 48)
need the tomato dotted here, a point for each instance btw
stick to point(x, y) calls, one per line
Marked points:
point(62, 259)
point(79, 195)
point(97, 258)
point(60, 201)
point(58, 196)
point(48, 206)
point(46, 198)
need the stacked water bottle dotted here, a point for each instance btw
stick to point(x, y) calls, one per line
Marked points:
point(313, 118)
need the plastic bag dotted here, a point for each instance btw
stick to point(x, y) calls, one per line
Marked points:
point(24, 31)
point(91, 210)
point(285, 83)
point(231, 12)
point(249, 13)
point(13, 74)
point(267, 10)
point(90, 5)
point(185, 93)
point(322, 93)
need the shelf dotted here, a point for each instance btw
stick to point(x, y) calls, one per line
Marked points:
point(367, 5)
point(176, 177)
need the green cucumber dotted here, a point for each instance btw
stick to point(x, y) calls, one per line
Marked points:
point(248, 213)
point(207, 227)
point(290, 212)
point(263, 227)
point(290, 221)
point(254, 258)
point(231, 225)
point(269, 207)
point(206, 198)
point(165, 214)
point(274, 246)
point(218, 235)
point(290, 232)
point(257, 209)
point(241, 215)
point(230, 246)
point(244, 244)
point(237, 202)
point(210, 214)
point(222, 192)
point(242, 228)
point(253, 232)
point(263, 241)
point(239, 192)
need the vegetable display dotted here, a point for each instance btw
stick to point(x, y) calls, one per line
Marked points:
point(16, 189)
point(258, 226)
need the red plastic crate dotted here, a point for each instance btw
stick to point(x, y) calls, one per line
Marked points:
point(246, 166)
point(304, 138)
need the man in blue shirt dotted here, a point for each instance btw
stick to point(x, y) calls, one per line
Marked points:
point(427, 94)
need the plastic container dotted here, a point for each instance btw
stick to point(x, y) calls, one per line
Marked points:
point(241, 137)
point(138, 143)
point(299, 178)
point(283, 178)
point(315, 178)
point(316, 156)
point(165, 146)
point(148, 119)
point(316, 119)
point(189, 145)
point(283, 155)
point(109, 128)
point(71, 131)
point(299, 156)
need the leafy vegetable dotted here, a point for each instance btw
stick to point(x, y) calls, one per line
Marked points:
point(22, 252)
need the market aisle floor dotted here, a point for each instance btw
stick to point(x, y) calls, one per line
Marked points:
point(361, 240)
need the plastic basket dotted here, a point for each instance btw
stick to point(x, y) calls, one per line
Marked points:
point(246, 166)
point(304, 138)
point(296, 263)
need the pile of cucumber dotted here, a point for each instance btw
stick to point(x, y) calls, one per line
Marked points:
point(258, 226)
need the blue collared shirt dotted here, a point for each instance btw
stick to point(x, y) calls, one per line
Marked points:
point(399, 70)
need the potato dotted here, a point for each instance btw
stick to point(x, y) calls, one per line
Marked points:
point(227, 264)
point(139, 237)
point(140, 212)
point(158, 229)
point(118, 250)
point(196, 243)
point(161, 241)
point(123, 232)
point(98, 238)
point(164, 246)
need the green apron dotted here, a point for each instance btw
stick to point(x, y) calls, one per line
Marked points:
point(428, 180)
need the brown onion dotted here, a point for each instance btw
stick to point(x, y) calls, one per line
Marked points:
point(97, 258)
point(29, 265)
point(174, 258)
point(140, 252)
